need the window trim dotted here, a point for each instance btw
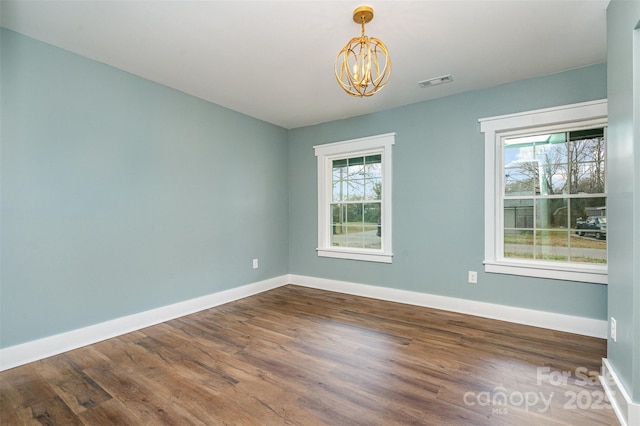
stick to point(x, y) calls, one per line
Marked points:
point(585, 114)
point(351, 148)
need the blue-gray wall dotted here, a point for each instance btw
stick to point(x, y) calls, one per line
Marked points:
point(623, 16)
point(120, 195)
point(438, 197)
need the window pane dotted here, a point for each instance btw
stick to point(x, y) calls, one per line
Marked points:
point(594, 148)
point(552, 245)
point(372, 214)
point(584, 208)
point(554, 179)
point(354, 213)
point(521, 179)
point(588, 249)
point(339, 191)
point(339, 238)
point(354, 236)
point(589, 178)
point(355, 190)
point(552, 213)
point(518, 244)
point(372, 241)
point(339, 170)
point(373, 189)
point(374, 169)
point(518, 214)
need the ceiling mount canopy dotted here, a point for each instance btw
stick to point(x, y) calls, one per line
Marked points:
point(363, 66)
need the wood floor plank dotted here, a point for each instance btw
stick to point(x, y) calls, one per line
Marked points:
point(301, 356)
point(54, 412)
point(139, 396)
point(112, 412)
point(71, 384)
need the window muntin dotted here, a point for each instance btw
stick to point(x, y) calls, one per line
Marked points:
point(550, 184)
point(354, 199)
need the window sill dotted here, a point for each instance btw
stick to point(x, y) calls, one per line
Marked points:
point(356, 255)
point(590, 274)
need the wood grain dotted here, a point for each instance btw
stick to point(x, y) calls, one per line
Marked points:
point(301, 356)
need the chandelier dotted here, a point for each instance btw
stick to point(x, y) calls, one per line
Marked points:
point(363, 66)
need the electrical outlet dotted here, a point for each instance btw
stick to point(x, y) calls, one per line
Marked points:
point(613, 329)
point(255, 263)
point(473, 277)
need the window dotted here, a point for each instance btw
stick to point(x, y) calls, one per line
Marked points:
point(545, 193)
point(354, 199)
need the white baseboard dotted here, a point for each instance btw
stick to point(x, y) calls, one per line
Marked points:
point(42, 348)
point(627, 411)
point(567, 323)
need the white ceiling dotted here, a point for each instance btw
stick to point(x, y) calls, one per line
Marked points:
point(274, 60)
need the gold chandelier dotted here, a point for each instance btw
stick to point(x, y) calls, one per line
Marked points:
point(363, 65)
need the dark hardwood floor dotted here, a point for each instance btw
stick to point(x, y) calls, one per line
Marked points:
point(301, 356)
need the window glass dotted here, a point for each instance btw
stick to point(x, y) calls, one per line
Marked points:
point(548, 214)
point(354, 222)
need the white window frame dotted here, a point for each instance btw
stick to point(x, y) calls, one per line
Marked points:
point(380, 144)
point(495, 129)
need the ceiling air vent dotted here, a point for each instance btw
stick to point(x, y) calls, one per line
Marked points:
point(434, 81)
